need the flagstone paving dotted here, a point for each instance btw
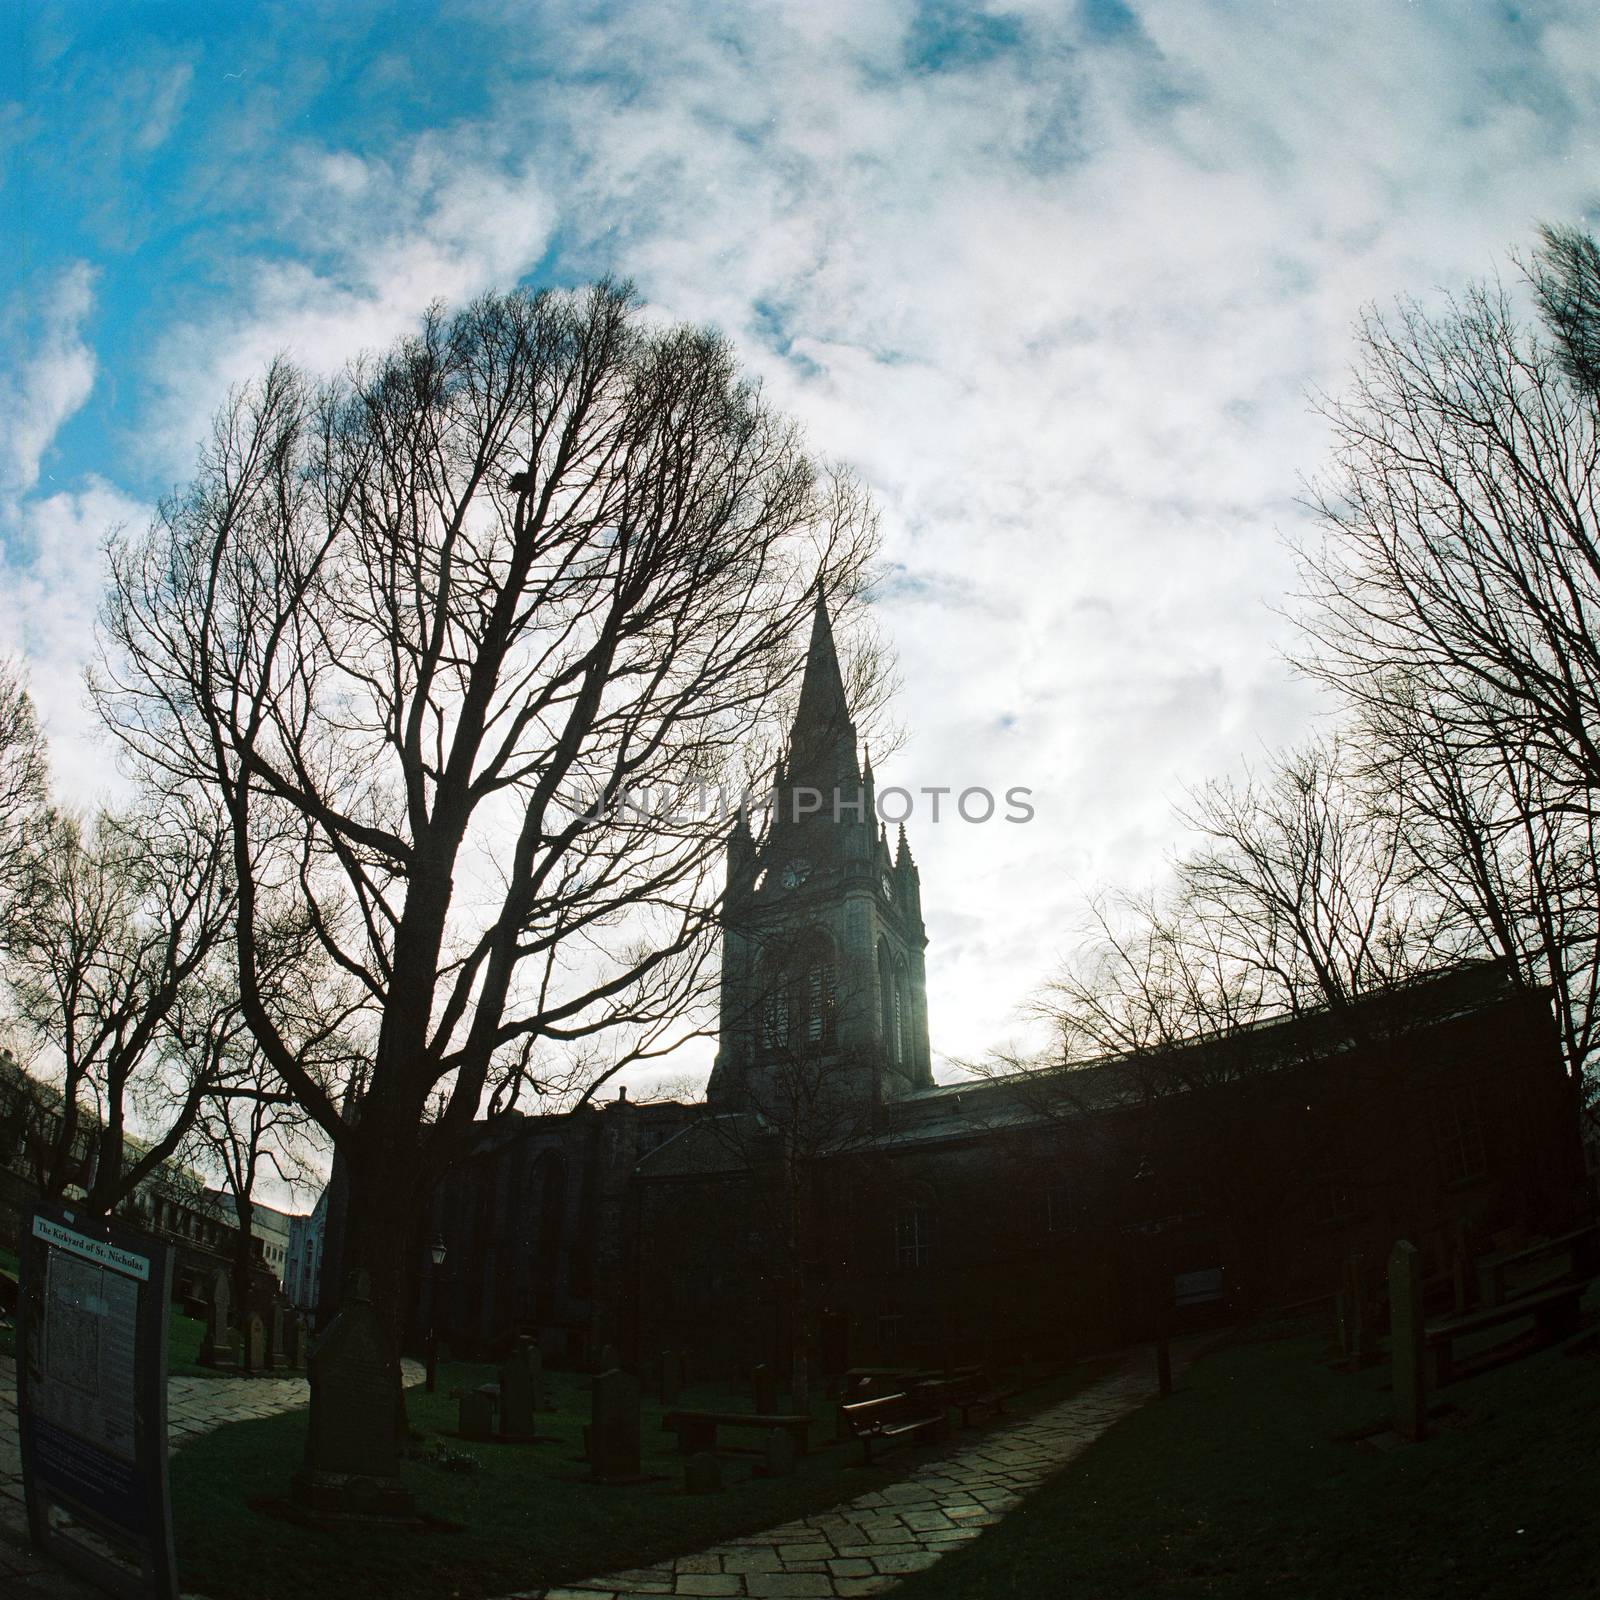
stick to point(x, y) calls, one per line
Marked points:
point(194, 1406)
point(867, 1546)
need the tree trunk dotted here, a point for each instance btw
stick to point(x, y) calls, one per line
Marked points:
point(244, 1212)
point(375, 1235)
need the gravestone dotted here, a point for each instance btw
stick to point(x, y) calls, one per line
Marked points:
point(533, 1359)
point(671, 1376)
point(214, 1351)
point(609, 1358)
point(764, 1389)
point(352, 1460)
point(255, 1344)
point(1406, 1342)
point(778, 1454)
point(296, 1342)
point(277, 1354)
point(702, 1474)
point(233, 1349)
point(516, 1397)
point(1360, 1335)
point(475, 1416)
point(613, 1441)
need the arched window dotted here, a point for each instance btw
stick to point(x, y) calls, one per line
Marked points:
point(901, 1019)
point(913, 1232)
point(799, 996)
point(891, 1004)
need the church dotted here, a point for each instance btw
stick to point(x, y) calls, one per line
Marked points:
point(831, 1205)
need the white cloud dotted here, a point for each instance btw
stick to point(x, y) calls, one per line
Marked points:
point(51, 378)
point(51, 582)
point(1060, 308)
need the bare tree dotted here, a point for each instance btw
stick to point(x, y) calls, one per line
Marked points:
point(1454, 600)
point(129, 912)
point(1566, 280)
point(250, 1127)
point(1302, 881)
point(24, 794)
point(1460, 520)
point(418, 629)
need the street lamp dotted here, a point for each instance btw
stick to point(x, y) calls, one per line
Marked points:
point(1158, 1280)
point(436, 1250)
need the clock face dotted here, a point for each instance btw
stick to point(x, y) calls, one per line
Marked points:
point(795, 872)
point(888, 886)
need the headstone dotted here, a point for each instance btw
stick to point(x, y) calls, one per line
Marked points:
point(234, 1349)
point(702, 1474)
point(516, 1398)
point(764, 1390)
point(609, 1358)
point(277, 1354)
point(1359, 1331)
point(778, 1461)
point(671, 1376)
point(1406, 1341)
point(214, 1345)
point(614, 1427)
point(296, 1342)
point(255, 1344)
point(476, 1415)
point(533, 1359)
point(352, 1447)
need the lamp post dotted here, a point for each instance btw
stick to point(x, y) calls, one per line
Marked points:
point(436, 1251)
point(1158, 1284)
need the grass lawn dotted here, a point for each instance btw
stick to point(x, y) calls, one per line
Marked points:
point(1246, 1482)
point(529, 1515)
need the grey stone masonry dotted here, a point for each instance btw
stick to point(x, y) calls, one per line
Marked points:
point(868, 1545)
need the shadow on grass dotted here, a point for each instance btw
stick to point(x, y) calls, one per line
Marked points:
point(1265, 1474)
point(527, 1516)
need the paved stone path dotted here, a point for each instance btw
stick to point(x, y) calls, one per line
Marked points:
point(862, 1548)
point(194, 1406)
point(867, 1546)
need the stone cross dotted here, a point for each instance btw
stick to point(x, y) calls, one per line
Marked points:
point(614, 1427)
point(1406, 1347)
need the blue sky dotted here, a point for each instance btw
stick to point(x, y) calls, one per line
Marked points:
point(1055, 279)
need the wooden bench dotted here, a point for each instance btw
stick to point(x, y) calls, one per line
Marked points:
point(971, 1390)
point(1581, 1247)
point(893, 1418)
point(1555, 1313)
point(697, 1430)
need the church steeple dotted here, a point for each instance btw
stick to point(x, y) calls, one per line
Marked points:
point(823, 939)
point(822, 742)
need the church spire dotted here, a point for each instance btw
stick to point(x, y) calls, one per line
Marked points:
point(822, 719)
point(822, 743)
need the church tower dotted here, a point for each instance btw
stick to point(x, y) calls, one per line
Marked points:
point(823, 939)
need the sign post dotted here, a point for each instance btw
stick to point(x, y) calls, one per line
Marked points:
point(92, 1400)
